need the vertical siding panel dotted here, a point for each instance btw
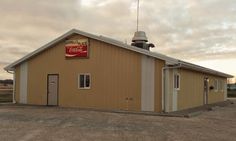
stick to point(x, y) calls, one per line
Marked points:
point(17, 83)
point(159, 64)
point(24, 83)
point(191, 89)
point(171, 89)
point(168, 90)
point(115, 74)
point(148, 84)
point(215, 96)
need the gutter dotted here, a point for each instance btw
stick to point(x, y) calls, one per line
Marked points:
point(14, 86)
point(163, 84)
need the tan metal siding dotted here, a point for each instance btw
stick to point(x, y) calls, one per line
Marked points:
point(215, 96)
point(191, 89)
point(115, 75)
point(159, 64)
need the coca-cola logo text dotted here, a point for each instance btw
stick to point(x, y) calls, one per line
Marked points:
point(76, 48)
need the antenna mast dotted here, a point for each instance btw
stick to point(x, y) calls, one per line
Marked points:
point(140, 39)
point(137, 13)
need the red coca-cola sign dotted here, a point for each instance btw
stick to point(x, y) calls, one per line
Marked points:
point(76, 48)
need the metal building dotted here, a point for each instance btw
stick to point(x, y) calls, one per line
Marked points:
point(79, 69)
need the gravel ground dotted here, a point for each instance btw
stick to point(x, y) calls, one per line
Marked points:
point(34, 123)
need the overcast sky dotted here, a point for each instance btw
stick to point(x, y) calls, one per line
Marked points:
point(199, 31)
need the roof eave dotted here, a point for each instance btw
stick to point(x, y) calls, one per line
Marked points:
point(205, 70)
point(8, 68)
point(11, 66)
point(168, 60)
point(126, 46)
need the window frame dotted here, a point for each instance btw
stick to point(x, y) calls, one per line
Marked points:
point(176, 81)
point(84, 75)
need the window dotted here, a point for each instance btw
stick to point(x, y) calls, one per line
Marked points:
point(216, 85)
point(176, 81)
point(84, 81)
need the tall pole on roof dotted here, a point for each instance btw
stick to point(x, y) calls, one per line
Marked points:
point(137, 13)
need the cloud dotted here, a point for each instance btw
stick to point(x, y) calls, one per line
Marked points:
point(194, 30)
point(185, 29)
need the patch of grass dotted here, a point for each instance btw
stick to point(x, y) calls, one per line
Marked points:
point(5, 95)
point(5, 98)
point(231, 93)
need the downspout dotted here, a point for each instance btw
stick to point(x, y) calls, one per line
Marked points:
point(14, 85)
point(163, 84)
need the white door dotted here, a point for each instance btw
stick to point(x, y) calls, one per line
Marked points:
point(52, 89)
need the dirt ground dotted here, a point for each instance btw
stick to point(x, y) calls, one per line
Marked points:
point(35, 123)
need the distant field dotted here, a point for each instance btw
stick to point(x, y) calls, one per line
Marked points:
point(6, 95)
point(232, 93)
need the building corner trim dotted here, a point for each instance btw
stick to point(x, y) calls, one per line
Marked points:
point(23, 83)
